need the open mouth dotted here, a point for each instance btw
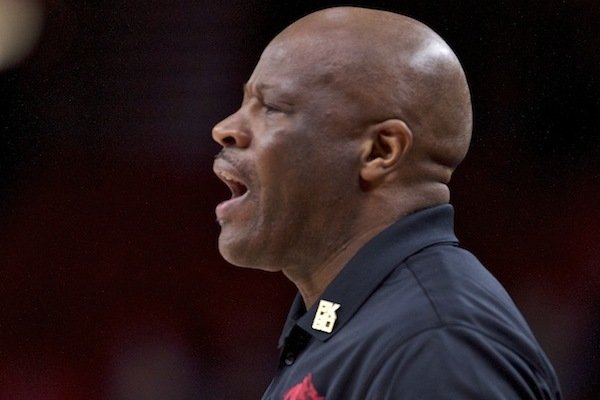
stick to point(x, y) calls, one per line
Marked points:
point(238, 188)
point(229, 209)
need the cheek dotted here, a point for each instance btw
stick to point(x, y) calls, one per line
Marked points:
point(279, 156)
point(287, 190)
point(307, 161)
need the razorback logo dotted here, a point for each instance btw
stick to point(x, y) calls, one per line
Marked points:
point(305, 390)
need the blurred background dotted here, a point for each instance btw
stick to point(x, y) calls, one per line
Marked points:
point(110, 283)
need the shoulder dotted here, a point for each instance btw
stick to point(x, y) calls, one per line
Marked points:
point(463, 363)
point(460, 291)
point(448, 319)
point(443, 284)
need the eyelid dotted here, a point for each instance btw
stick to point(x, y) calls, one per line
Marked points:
point(271, 107)
point(277, 103)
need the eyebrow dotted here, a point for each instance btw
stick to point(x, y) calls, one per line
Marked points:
point(245, 88)
point(262, 87)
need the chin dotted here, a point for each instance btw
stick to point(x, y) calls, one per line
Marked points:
point(243, 263)
point(239, 257)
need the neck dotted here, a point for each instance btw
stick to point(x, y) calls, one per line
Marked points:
point(312, 278)
point(312, 281)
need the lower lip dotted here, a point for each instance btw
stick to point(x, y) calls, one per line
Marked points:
point(226, 208)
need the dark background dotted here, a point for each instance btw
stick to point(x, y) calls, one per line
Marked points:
point(111, 286)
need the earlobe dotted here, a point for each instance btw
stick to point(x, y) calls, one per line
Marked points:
point(386, 145)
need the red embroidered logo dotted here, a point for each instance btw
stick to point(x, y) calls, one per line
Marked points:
point(305, 390)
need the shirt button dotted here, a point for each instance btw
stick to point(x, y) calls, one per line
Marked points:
point(289, 359)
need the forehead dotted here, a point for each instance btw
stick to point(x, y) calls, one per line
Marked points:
point(300, 63)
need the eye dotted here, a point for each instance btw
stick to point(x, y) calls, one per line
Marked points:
point(270, 109)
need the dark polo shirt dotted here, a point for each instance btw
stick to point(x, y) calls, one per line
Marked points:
point(412, 316)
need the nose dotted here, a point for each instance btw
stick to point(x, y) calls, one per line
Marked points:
point(231, 133)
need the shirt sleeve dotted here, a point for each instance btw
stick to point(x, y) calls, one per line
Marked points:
point(458, 363)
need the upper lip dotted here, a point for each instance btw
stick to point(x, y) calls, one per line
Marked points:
point(230, 176)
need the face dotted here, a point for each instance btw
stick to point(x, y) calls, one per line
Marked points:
point(290, 157)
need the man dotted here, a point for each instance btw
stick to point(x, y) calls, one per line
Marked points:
point(338, 162)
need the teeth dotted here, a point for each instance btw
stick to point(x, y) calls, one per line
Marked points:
point(227, 177)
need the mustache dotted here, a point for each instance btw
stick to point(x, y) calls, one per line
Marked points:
point(227, 156)
point(222, 155)
point(235, 162)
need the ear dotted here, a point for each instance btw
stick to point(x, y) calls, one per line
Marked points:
point(385, 147)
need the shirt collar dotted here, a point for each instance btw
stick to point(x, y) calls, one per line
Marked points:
point(372, 264)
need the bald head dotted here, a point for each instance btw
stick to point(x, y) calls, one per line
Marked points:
point(390, 66)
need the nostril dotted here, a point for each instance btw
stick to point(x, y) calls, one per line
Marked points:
point(229, 140)
point(230, 136)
